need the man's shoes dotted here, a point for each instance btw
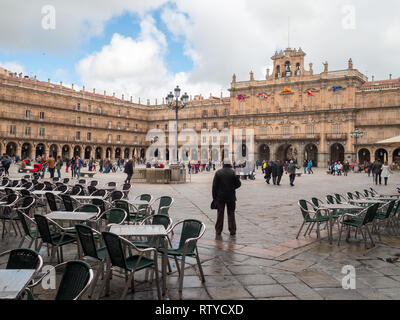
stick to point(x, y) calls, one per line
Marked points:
point(233, 234)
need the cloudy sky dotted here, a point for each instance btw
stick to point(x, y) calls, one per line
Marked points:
point(145, 48)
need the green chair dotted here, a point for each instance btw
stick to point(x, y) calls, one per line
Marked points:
point(29, 234)
point(164, 204)
point(55, 239)
point(112, 216)
point(311, 217)
point(22, 258)
point(317, 202)
point(359, 195)
point(87, 238)
point(350, 196)
point(140, 212)
point(340, 199)
point(383, 217)
point(192, 231)
point(76, 279)
point(130, 210)
point(116, 247)
point(157, 219)
point(359, 221)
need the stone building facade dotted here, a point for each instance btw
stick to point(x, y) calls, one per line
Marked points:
point(294, 114)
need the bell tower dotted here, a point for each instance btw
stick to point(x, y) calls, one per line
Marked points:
point(288, 63)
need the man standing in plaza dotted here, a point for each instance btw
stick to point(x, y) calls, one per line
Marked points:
point(78, 165)
point(51, 163)
point(378, 171)
point(224, 188)
point(279, 172)
point(291, 170)
point(129, 171)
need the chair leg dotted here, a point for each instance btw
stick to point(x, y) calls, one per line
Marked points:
point(181, 276)
point(312, 228)
point(203, 279)
point(126, 287)
point(96, 278)
point(104, 284)
point(318, 233)
point(370, 236)
point(157, 281)
point(22, 241)
point(300, 229)
point(340, 235)
point(177, 265)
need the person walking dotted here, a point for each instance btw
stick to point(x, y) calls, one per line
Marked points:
point(291, 170)
point(386, 172)
point(274, 171)
point(51, 163)
point(129, 171)
point(59, 165)
point(346, 168)
point(224, 188)
point(309, 166)
point(72, 165)
point(279, 172)
point(378, 171)
point(268, 171)
point(78, 165)
point(305, 166)
point(6, 163)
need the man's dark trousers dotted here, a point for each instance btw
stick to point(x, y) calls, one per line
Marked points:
point(278, 180)
point(292, 178)
point(219, 226)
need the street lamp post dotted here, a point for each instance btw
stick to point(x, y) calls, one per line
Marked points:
point(173, 103)
point(356, 134)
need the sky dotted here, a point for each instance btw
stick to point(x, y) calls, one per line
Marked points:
point(144, 48)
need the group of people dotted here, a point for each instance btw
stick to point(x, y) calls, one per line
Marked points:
point(379, 170)
point(307, 165)
point(338, 168)
point(276, 169)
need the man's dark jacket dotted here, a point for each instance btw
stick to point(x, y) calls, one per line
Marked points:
point(129, 168)
point(279, 169)
point(224, 185)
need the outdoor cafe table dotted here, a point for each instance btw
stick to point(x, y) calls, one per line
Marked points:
point(71, 215)
point(390, 195)
point(129, 230)
point(43, 192)
point(13, 282)
point(86, 198)
point(337, 206)
point(12, 188)
point(139, 202)
point(367, 201)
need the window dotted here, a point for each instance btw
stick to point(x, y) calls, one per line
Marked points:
point(135, 139)
point(89, 120)
point(215, 125)
point(89, 108)
point(166, 127)
point(310, 130)
point(215, 113)
point(204, 125)
point(184, 126)
point(158, 126)
point(205, 113)
point(41, 115)
point(336, 130)
point(109, 138)
point(41, 132)
point(99, 110)
point(286, 131)
point(109, 124)
point(225, 139)
point(119, 125)
point(226, 124)
point(226, 112)
point(136, 126)
point(78, 135)
point(89, 136)
point(127, 126)
point(119, 113)
point(13, 129)
point(78, 106)
point(28, 131)
point(204, 140)
point(78, 120)
point(28, 114)
point(118, 138)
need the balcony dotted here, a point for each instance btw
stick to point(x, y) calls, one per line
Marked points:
point(336, 137)
point(289, 137)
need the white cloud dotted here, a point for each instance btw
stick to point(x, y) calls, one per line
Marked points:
point(12, 66)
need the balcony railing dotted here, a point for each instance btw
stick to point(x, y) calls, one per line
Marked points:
point(287, 137)
point(336, 136)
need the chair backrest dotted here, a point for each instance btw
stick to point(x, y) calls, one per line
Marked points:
point(338, 198)
point(330, 199)
point(48, 186)
point(145, 197)
point(87, 240)
point(23, 259)
point(116, 195)
point(100, 193)
point(371, 213)
point(165, 204)
point(11, 198)
point(94, 183)
point(126, 186)
point(39, 187)
point(396, 209)
point(161, 219)
point(65, 180)
point(9, 191)
point(115, 215)
point(350, 196)
point(367, 193)
point(91, 189)
point(63, 188)
point(88, 208)
point(121, 204)
point(5, 182)
point(25, 193)
point(82, 181)
point(99, 203)
point(76, 278)
point(191, 229)
point(390, 208)
point(114, 248)
point(27, 185)
point(43, 228)
point(55, 179)
point(51, 201)
point(304, 209)
point(26, 203)
point(67, 201)
point(25, 226)
point(15, 183)
point(75, 191)
point(111, 184)
point(358, 194)
point(317, 202)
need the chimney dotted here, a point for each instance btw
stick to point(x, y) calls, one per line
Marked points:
point(94, 90)
point(131, 98)
point(139, 101)
point(122, 97)
point(61, 83)
point(83, 88)
point(20, 75)
point(390, 76)
point(373, 78)
point(48, 80)
point(113, 94)
point(72, 86)
point(104, 92)
point(156, 101)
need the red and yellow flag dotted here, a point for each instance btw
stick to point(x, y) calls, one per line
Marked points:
point(310, 93)
point(286, 90)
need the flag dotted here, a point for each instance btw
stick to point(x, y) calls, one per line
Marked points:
point(216, 98)
point(336, 89)
point(241, 97)
point(262, 96)
point(310, 93)
point(286, 90)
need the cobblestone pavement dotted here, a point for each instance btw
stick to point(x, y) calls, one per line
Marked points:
point(264, 260)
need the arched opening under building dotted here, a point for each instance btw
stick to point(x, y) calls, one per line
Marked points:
point(98, 153)
point(194, 155)
point(26, 151)
point(224, 154)
point(108, 153)
point(286, 152)
point(11, 149)
point(40, 150)
point(364, 156)
point(204, 154)
point(382, 155)
point(396, 156)
point(117, 153)
point(88, 153)
point(311, 153)
point(77, 151)
point(65, 152)
point(337, 152)
point(126, 153)
point(53, 151)
point(142, 153)
point(215, 155)
point(167, 154)
point(264, 153)
point(184, 154)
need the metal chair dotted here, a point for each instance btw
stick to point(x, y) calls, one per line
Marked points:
point(23, 259)
point(29, 234)
point(311, 217)
point(165, 203)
